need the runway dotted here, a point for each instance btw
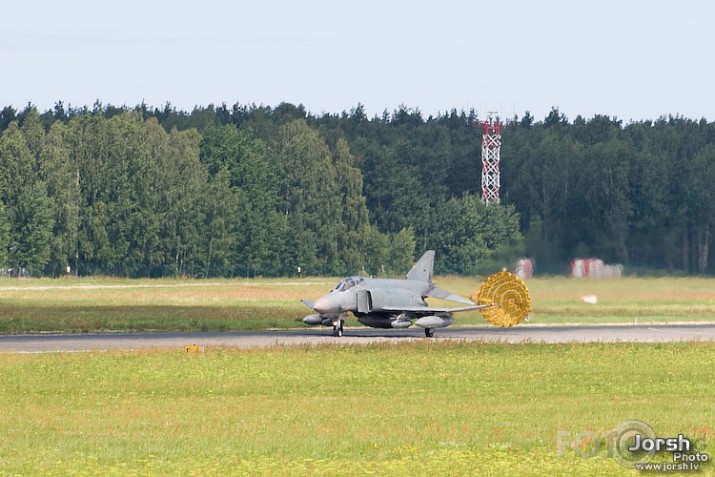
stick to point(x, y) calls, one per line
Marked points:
point(316, 336)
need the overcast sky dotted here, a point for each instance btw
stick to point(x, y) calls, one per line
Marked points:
point(632, 59)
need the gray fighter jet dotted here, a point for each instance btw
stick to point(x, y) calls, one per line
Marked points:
point(388, 303)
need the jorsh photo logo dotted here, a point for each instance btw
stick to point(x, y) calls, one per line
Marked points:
point(634, 444)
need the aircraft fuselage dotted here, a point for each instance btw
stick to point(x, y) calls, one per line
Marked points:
point(387, 302)
point(371, 295)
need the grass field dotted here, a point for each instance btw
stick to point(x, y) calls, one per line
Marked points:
point(89, 305)
point(425, 408)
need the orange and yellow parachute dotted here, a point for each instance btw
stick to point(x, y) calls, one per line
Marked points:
point(509, 296)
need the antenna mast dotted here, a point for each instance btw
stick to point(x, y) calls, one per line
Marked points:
point(491, 146)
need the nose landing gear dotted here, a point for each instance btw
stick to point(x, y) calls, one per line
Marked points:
point(338, 328)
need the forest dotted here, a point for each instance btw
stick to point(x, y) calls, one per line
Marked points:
point(248, 190)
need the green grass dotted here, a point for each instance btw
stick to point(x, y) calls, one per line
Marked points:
point(424, 408)
point(106, 304)
point(93, 318)
point(97, 304)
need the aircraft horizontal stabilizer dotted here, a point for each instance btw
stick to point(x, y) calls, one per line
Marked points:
point(437, 292)
point(429, 309)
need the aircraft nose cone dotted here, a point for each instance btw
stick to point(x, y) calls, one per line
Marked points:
point(325, 305)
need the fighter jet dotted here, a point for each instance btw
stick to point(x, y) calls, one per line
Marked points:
point(389, 303)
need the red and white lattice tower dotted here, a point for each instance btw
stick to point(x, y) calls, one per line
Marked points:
point(491, 146)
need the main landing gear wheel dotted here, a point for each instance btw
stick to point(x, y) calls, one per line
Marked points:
point(429, 333)
point(509, 296)
point(338, 329)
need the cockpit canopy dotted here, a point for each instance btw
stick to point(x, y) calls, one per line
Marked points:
point(348, 283)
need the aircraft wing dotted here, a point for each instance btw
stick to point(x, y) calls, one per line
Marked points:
point(430, 309)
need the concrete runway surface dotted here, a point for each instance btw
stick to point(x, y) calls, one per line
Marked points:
point(649, 333)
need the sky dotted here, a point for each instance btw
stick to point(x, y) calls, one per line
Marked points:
point(629, 59)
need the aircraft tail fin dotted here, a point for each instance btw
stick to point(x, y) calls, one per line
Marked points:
point(422, 269)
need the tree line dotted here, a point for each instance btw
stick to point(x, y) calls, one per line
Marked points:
point(255, 190)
